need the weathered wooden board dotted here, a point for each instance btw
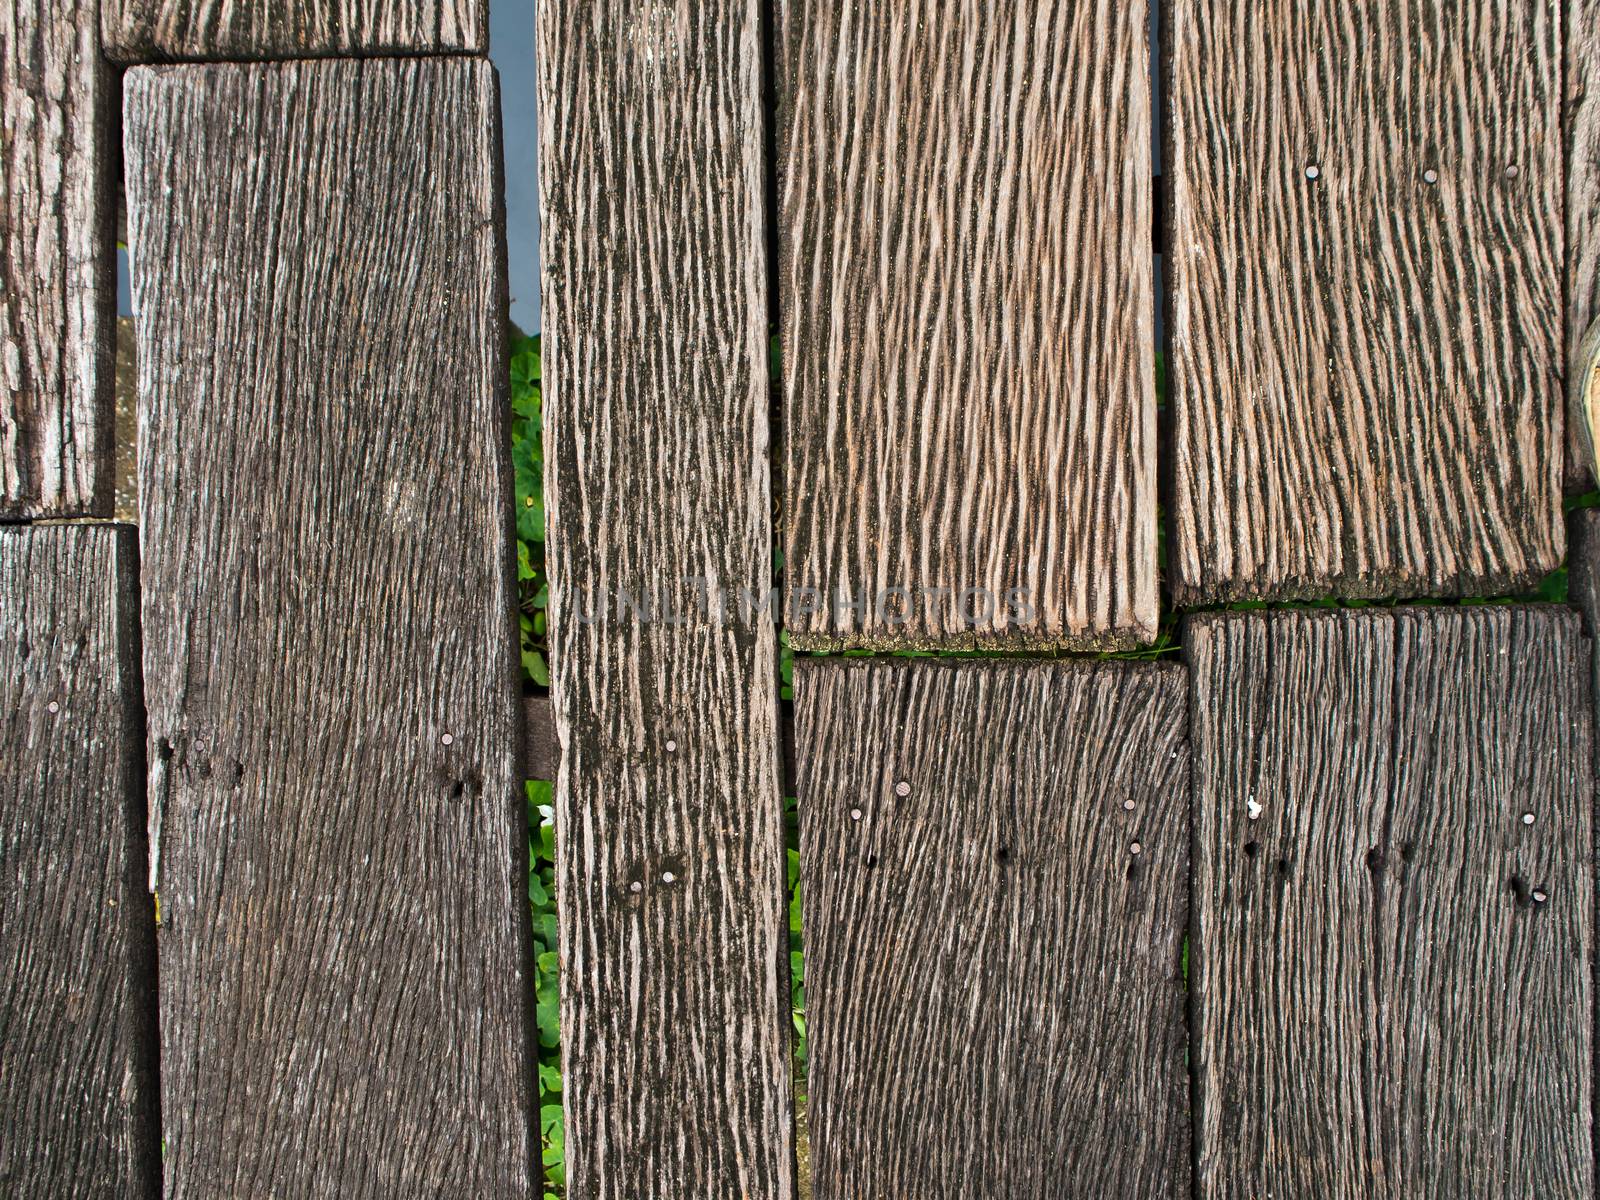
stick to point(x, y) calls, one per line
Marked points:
point(339, 837)
point(58, 303)
point(228, 29)
point(670, 858)
point(1582, 40)
point(994, 859)
point(1389, 961)
point(1365, 297)
point(1583, 569)
point(968, 324)
point(77, 1012)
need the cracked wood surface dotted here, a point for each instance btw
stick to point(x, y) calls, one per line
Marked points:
point(968, 324)
point(58, 305)
point(337, 811)
point(1393, 910)
point(994, 858)
point(669, 819)
point(1365, 297)
point(77, 1013)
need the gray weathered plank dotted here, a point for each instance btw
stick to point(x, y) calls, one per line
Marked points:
point(138, 30)
point(1582, 30)
point(58, 304)
point(994, 859)
point(968, 324)
point(668, 817)
point(1389, 963)
point(1583, 569)
point(77, 1012)
point(337, 810)
point(1365, 364)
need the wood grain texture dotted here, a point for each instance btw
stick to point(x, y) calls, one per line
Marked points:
point(77, 1012)
point(339, 835)
point(968, 323)
point(669, 835)
point(1390, 968)
point(58, 303)
point(994, 988)
point(1365, 365)
point(140, 30)
point(1582, 129)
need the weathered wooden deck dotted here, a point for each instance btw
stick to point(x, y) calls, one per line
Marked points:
point(1303, 909)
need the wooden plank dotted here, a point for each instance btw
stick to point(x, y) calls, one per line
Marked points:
point(337, 806)
point(968, 325)
point(1582, 41)
point(670, 852)
point(139, 30)
point(1365, 281)
point(58, 305)
point(1583, 570)
point(994, 859)
point(1390, 962)
point(77, 1013)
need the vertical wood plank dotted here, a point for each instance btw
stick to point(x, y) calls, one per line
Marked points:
point(1390, 962)
point(968, 324)
point(994, 859)
point(77, 1013)
point(674, 938)
point(1582, 38)
point(231, 29)
point(339, 836)
point(58, 305)
point(1365, 290)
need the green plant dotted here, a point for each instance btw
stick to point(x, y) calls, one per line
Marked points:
point(527, 458)
point(547, 982)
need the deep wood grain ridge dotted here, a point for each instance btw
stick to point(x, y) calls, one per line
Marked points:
point(141, 30)
point(670, 853)
point(968, 324)
point(58, 302)
point(1365, 297)
point(339, 829)
point(1393, 908)
point(77, 1013)
point(994, 859)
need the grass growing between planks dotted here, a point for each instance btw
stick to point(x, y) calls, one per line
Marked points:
point(527, 457)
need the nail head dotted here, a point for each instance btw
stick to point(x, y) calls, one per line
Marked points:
point(1527, 818)
point(1128, 804)
point(902, 788)
point(1313, 171)
point(667, 877)
point(1136, 848)
point(53, 707)
point(636, 887)
point(1430, 176)
point(672, 745)
point(855, 814)
point(448, 739)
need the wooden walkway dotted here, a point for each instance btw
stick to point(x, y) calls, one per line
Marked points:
point(1305, 908)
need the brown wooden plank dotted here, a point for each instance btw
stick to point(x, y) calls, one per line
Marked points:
point(58, 303)
point(994, 859)
point(968, 324)
point(1365, 280)
point(670, 854)
point(77, 1012)
point(1582, 40)
point(340, 835)
point(139, 30)
point(1390, 963)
